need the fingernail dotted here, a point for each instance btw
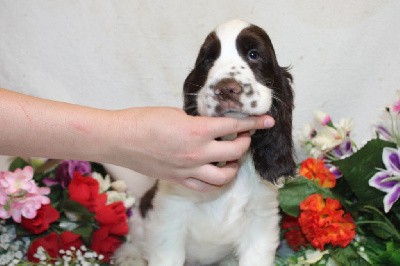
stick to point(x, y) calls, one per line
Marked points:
point(269, 122)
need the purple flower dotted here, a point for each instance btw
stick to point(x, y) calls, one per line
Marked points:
point(66, 169)
point(343, 150)
point(388, 180)
point(384, 133)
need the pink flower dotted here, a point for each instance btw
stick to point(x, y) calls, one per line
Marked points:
point(14, 182)
point(323, 118)
point(20, 196)
point(396, 104)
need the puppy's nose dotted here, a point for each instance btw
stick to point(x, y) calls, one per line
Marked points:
point(227, 89)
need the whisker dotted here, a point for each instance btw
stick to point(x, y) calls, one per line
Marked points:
point(189, 93)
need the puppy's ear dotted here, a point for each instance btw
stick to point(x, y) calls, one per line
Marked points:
point(272, 149)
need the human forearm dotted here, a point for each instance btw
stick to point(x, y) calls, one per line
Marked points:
point(37, 127)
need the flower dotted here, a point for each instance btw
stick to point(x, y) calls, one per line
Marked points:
point(85, 190)
point(328, 138)
point(323, 118)
point(315, 169)
point(66, 170)
point(324, 222)
point(114, 217)
point(105, 243)
point(396, 104)
point(388, 180)
point(70, 239)
point(19, 194)
point(52, 244)
point(49, 243)
point(45, 216)
point(19, 181)
point(54, 236)
point(293, 235)
point(104, 182)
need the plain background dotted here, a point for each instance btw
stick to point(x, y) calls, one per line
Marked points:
point(344, 55)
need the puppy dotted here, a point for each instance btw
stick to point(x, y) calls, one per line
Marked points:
point(236, 74)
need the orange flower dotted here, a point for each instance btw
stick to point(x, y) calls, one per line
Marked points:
point(324, 222)
point(315, 169)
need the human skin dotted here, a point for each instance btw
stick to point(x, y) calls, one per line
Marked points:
point(161, 142)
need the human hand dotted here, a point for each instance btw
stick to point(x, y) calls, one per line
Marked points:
point(167, 143)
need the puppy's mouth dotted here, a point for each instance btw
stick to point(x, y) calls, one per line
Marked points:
point(234, 114)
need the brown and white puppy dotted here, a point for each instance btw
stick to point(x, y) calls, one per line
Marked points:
point(236, 74)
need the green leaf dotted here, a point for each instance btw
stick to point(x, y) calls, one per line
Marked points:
point(360, 167)
point(347, 256)
point(86, 231)
point(380, 225)
point(390, 257)
point(296, 190)
point(17, 163)
point(78, 209)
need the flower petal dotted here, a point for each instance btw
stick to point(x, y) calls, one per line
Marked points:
point(378, 181)
point(391, 197)
point(391, 159)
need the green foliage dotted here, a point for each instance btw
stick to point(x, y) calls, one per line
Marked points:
point(295, 191)
point(347, 256)
point(359, 168)
point(391, 256)
point(17, 163)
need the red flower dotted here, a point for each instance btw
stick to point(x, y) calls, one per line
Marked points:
point(114, 217)
point(324, 222)
point(105, 243)
point(85, 190)
point(52, 243)
point(315, 169)
point(69, 239)
point(293, 234)
point(45, 216)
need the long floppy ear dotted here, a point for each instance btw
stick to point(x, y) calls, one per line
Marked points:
point(272, 149)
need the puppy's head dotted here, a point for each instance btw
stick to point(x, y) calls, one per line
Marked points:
point(237, 74)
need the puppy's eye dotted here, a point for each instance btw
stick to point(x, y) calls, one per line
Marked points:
point(253, 55)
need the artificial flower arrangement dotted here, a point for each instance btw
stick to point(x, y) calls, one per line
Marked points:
point(342, 208)
point(60, 213)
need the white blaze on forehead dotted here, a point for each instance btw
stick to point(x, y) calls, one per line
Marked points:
point(228, 65)
point(227, 34)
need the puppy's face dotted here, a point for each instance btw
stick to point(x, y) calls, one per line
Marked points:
point(234, 74)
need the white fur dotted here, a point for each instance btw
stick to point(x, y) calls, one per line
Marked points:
point(236, 225)
point(240, 221)
point(229, 57)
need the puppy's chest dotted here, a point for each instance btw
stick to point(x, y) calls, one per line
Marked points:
point(225, 218)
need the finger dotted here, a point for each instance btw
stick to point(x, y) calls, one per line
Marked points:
point(198, 185)
point(222, 151)
point(216, 176)
point(221, 126)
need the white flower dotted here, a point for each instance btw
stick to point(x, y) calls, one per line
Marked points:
point(119, 186)
point(327, 138)
point(114, 196)
point(322, 118)
point(313, 256)
point(306, 134)
point(345, 125)
point(104, 182)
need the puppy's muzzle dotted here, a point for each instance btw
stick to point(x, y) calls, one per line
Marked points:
point(227, 92)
